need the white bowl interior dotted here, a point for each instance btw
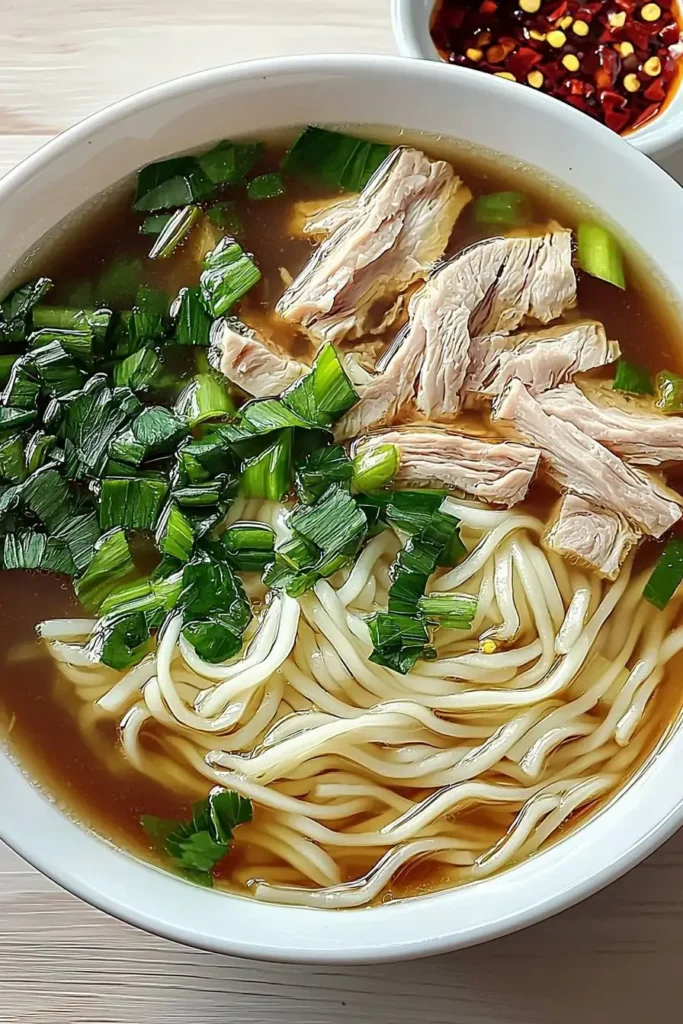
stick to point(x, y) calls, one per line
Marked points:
point(261, 96)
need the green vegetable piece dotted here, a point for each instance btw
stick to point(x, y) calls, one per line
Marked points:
point(398, 640)
point(125, 641)
point(503, 209)
point(138, 371)
point(600, 254)
point(14, 419)
point(125, 449)
point(119, 281)
point(324, 466)
point(334, 523)
point(40, 448)
point(269, 475)
point(412, 511)
point(174, 232)
point(16, 310)
point(335, 159)
point(228, 275)
point(12, 466)
point(80, 533)
point(634, 379)
point(132, 502)
point(375, 467)
point(453, 611)
point(193, 325)
point(250, 545)
point(30, 550)
point(46, 494)
point(171, 183)
point(666, 576)
point(215, 608)
point(174, 533)
point(110, 563)
point(154, 224)
point(228, 163)
point(206, 397)
point(226, 216)
point(158, 430)
point(56, 370)
point(64, 320)
point(266, 186)
point(23, 387)
point(323, 395)
point(78, 344)
point(87, 421)
point(6, 366)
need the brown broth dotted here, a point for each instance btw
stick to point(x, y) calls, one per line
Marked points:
point(83, 767)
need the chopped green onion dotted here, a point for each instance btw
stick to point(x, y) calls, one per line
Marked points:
point(193, 324)
point(14, 419)
point(412, 511)
point(206, 397)
point(12, 466)
point(177, 228)
point(634, 379)
point(39, 449)
point(138, 371)
point(332, 524)
point(110, 563)
point(453, 611)
point(119, 281)
point(215, 608)
point(46, 494)
point(324, 394)
point(79, 344)
point(200, 459)
point(201, 495)
point(154, 224)
point(336, 159)
point(266, 186)
point(30, 550)
point(228, 163)
point(174, 533)
point(158, 430)
point(194, 848)
point(132, 502)
point(80, 533)
point(269, 474)
point(600, 254)
point(505, 209)
point(171, 183)
point(228, 275)
point(87, 421)
point(667, 575)
point(670, 391)
point(23, 387)
point(317, 471)
point(251, 545)
point(398, 640)
point(375, 467)
point(121, 640)
point(16, 310)
point(6, 365)
point(66, 319)
point(226, 216)
point(56, 370)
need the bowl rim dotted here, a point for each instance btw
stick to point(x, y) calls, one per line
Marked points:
point(659, 138)
point(420, 927)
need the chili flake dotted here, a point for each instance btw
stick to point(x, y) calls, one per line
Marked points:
point(616, 60)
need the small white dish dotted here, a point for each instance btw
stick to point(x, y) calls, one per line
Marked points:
point(658, 138)
point(524, 128)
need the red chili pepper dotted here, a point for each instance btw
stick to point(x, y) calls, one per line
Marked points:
point(655, 92)
point(646, 115)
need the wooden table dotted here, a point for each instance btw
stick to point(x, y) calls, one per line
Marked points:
point(616, 959)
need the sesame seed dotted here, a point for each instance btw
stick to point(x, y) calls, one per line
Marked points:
point(556, 38)
point(581, 28)
point(473, 54)
point(535, 79)
point(617, 19)
point(631, 83)
point(506, 75)
point(652, 67)
point(625, 48)
point(571, 62)
point(650, 12)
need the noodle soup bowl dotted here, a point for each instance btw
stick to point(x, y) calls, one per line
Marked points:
point(527, 129)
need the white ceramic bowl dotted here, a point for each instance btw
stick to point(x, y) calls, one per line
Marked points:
point(411, 18)
point(260, 96)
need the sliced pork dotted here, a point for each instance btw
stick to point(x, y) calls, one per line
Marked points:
point(250, 362)
point(644, 439)
point(577, 463)
point(399, 225)
point(544, 359)
point(497, 284)
point(318, 218)
point(598, 538)
point(499, 472)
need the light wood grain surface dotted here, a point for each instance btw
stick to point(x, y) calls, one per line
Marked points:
point(616, 959)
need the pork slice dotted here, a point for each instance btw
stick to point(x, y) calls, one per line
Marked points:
point(399, 225)
point(318, 218)
point(646, 439)
point(544, 359)
point(490, 288)
point(598, 538)
point(250, 362)
point(575, 462)
point(498, 472)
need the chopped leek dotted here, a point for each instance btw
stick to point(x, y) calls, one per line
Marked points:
point(504, 209)
point(158, 430)
point(251, 545)
point(79, 344)
point(323, 395)
point(375, 467)
point(23, 387)
point(14, 419)
point(266, 186)
point(398, 640)
point(39, 448)
point(132, 502)
point(453, 611)
point(56, 370)
point(206, 397)
point(29, 550)
point(110, 563)
point(121, 640)
point(319, 155)
point(80, 533)
point(138, 371)
point(600, 254)
point(12, 465)
point(228, 275)
point(171, 183)
point(670, 392)
point(46, 494)
point(174, 533)
point(16, 310)
point(193, 324)
point(634, 379)
point(87, 421)
point(228, 163)
point(174, 231)
point(215, 608)
point(667, 575)
point(332, 524)
point(269, 474)
point(411, 511)
point(64, 318)
point(317, 471)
